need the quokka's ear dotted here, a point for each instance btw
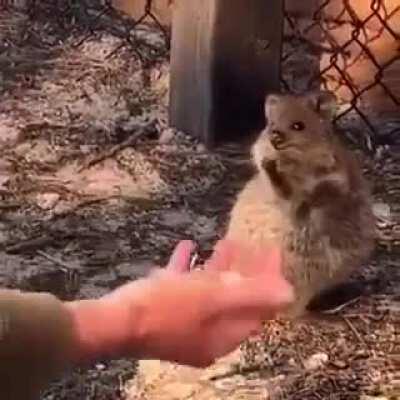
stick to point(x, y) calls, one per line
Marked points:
point(271, 101)
point(324, 103)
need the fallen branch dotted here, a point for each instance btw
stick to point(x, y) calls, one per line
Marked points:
point(130, 141)
point(29, 244)
point(84, 203)
point(355, 331)
point(64, 267)
point(9, 206)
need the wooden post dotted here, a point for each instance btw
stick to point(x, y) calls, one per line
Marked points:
point(225, 57)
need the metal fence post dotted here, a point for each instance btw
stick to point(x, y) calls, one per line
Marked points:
point(225, 57)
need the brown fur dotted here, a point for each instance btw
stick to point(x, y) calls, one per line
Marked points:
point(309, 196)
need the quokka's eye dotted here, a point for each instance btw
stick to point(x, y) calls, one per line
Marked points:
point(278, 139)
point(298, 126)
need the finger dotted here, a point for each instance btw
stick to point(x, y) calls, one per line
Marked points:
point(233, 332)
point(265, 262)
point(180, 259)
point(222, 256)
point(247, 295)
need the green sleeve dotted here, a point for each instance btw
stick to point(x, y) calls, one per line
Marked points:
point(36, 339)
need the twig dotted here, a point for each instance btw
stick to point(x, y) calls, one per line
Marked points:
point(71, 272)
point(130, 141)
point(354, 330)
point(234, 370)
point(83, 203)
point(221, 158)
point(29, 244)
point(300, 357)
point(339, 308)
point(65, 267)
point(7, 206)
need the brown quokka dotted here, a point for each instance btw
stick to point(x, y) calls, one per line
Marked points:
point(309, 196)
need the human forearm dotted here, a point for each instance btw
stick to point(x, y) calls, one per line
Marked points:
point(40, 337)
point(104, 329)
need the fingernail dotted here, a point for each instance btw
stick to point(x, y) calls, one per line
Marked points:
point(180, 259)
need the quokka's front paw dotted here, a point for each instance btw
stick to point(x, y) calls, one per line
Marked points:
point(278, 179)
point(270, 166)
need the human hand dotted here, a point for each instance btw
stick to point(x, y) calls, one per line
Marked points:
point(188, 317)
point(194, 317)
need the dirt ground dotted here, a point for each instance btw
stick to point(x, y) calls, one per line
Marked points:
point(95, 188)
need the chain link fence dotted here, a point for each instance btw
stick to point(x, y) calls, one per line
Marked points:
point(79, 21)
point(348, 46)
point(352, 48)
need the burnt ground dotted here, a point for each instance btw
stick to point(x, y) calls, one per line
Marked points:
point(96, 188)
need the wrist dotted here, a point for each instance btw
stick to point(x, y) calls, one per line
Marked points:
point(104, 329)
